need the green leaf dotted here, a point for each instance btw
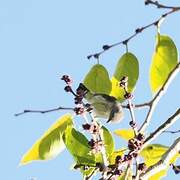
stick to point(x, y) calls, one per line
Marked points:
point(164, 60)
point(77, 144)
point(127, 66)
point(108, 141)
point(51, 143)
point(152, 154)
point(97, 80)
point(125, 133)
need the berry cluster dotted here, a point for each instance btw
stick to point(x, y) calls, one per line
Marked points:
point(136, 143)
point(79, 94)
point(124, 84)
point(96, 143)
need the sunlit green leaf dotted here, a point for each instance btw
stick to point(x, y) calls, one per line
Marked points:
point(152, 154)
point(77, 144)
point(108, 141)
point(51, 143)
point(97, 80)
point(127, 66)
point(164, 60)
point(125, 133)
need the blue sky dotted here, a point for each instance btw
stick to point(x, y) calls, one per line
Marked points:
point(41, 40)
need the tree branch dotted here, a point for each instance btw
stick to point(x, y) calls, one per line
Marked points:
point(172, 132)
point(162, 128)
point(158, 96)
point(158, 5)
point(164, 162)
point(44, 111)
point(137, 31)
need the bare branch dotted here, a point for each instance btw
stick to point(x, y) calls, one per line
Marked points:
point(158, 5)
point(158, 96)
point(44, 111)
point(137, 31)
point(164, 162)
point(163, 127)
point(172, 132)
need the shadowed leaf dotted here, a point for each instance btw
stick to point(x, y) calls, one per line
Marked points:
point(77, 144)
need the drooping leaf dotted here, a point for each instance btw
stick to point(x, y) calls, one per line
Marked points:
point(127, 66)
point(51, 143)
point(164, 60)
point(152, 154)
point(77, 144)
point(97, 80)
point(125, 133)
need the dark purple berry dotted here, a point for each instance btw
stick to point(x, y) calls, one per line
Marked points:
point(106, 47)
point(128, 96)
point(132, 124)
point(142, 167)
point(140, 137)
point(118, 159)
point(118, 172)
point(68, 89)
point(79, 110)
point(89, 57)
point(91, 143)
point(96, 56)
point(86, 126)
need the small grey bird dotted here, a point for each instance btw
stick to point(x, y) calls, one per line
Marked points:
point(105, 106)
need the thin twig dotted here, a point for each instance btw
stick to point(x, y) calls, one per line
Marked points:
point(172, 132)
point(162, 128)
point(137, 31)
point(164, 162)
point(158, 96)
point(132, 116)
point(137, 106)
point(158, 5)
point(44, 111)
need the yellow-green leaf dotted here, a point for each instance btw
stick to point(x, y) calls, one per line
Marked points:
point(108, 141)
point(127, 66)
point(51, 143)
point(152, 154)
point(97, 80)
point(113, 156)
point(164, 60)
point(125, 133)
